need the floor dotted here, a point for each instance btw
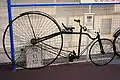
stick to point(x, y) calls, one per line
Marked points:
point(76, 71)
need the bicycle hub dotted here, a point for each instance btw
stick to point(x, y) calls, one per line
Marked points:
point(33, 41)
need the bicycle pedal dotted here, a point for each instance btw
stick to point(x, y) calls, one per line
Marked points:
point(71, 57)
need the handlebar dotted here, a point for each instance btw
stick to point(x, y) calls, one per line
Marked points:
point(78, 21)
point(84, 27)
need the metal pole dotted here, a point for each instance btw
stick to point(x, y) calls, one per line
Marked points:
point(90, 9)
point(11, 35)
point(82, 4)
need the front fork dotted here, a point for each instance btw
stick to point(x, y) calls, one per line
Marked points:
point(100, 44)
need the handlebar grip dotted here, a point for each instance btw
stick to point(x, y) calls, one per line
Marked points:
point(76, 20)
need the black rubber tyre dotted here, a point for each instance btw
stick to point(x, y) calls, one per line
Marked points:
point(116, 43)
point(97, 57)
point(33, 25)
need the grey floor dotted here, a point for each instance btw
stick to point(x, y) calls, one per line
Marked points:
point(76, 71)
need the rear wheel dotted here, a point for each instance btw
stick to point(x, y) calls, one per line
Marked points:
point(28, 27)
point(99, 58)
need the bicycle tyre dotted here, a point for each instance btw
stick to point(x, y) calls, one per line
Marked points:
point(30, 25)
point(116, 43)
point(97, 57)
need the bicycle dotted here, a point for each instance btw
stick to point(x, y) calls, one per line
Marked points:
point(38, 32)
point(116, 42)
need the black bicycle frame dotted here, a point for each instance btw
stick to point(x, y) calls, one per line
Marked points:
point(66, 32)
point(59, 33)
point(71, 32)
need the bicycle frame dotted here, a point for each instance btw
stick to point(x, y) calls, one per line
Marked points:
point(79, 44)
point(34, 41)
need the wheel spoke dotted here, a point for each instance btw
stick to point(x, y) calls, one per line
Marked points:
point(31, 26)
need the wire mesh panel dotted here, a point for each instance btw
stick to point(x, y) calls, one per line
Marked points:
point(106, 20)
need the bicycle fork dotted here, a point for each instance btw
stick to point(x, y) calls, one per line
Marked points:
point(100, 44)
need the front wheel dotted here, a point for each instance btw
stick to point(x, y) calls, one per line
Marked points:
point(99, 58)
point(27, 27)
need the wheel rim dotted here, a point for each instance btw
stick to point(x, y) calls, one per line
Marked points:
point(43, 25)
point(117, 44)
point(101, 59)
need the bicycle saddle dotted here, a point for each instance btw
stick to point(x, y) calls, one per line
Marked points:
point(68, 28)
